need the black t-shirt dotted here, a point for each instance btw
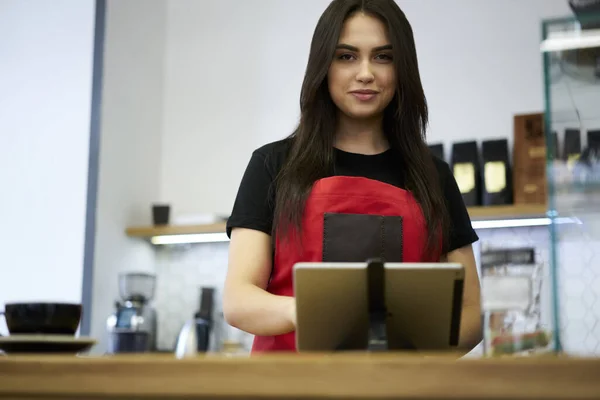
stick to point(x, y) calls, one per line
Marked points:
point(255, 202)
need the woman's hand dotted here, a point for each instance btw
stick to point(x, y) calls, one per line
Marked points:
point(291, 311)
point(471, 331)
point(246, 303)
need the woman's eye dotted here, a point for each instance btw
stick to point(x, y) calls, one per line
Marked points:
point(384, 57)
point(346, 57)
point(378, 57)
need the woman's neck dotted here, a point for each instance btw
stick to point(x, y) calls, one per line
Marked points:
point(360, 136)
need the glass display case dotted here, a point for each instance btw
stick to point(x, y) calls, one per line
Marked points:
point(570, 52)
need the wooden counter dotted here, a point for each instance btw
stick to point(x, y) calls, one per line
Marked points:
point(299, 376)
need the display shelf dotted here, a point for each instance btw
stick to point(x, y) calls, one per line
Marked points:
point(180, 234)
point(519, 211)
point(528, 214)
point(166, 230)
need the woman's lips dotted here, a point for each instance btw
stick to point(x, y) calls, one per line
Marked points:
point(364, 95)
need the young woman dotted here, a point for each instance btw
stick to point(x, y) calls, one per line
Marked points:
point(354, 181)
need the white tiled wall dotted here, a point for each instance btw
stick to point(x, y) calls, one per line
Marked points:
point(579, 258)
point(181, 273)
point(183, 270)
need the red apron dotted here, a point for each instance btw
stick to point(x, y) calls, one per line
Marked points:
point(348, 219)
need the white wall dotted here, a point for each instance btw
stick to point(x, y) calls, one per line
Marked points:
point(234, 71)
point(46, 53)
point(480, 63)
point(233, 76)
point(131, 126)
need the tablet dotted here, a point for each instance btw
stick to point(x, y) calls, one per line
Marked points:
point(423, 301)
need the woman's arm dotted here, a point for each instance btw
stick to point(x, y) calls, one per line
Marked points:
point(246, 303)
point(471, 331)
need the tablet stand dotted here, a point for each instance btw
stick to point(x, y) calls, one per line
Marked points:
point(378, 339)
point(377, 310)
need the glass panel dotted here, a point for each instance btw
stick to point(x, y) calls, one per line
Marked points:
point(571, 58)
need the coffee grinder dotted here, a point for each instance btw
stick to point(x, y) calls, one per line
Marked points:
point(132, 327)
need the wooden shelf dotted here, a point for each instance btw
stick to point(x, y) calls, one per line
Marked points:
point(476, 213)
point(508, 212)
point(149, 231)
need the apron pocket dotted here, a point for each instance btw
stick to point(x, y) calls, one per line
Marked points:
point(359, 237)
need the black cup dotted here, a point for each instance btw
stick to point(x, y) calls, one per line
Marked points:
point(43, 318)
point(128, 342)
point(160, 214)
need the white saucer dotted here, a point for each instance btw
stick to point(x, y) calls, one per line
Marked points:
point(24, 343)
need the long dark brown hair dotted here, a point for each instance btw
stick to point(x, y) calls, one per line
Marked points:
point(311, 155)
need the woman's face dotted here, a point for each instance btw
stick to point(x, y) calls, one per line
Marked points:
point(362, 78)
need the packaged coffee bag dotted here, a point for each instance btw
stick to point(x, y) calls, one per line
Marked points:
point(593, 138)
point(572, 146)
point(529, 159)
point(467, 171)
point(497, 175)
point(437, 150)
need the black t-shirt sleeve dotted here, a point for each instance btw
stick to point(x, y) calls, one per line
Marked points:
point(461, 232)
point(254, 204)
